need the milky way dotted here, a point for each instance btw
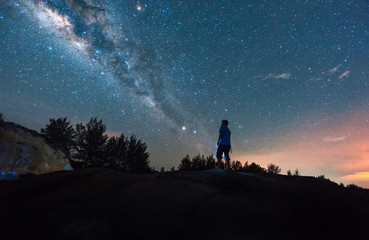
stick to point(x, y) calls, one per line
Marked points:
point(290, 76)
point(87, 29)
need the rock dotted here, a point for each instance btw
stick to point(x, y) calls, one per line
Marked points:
point(25, 151)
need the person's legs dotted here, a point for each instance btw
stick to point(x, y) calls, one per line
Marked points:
point(219, 164)
point(227, 160)
point(227, 164)
point(219, 156)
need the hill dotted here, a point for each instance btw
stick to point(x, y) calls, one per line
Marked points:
point(212, 204)
point(23, 150)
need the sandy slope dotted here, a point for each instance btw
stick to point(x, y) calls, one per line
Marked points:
point(25, 151)
point(105, 204)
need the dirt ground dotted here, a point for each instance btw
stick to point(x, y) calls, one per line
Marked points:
point(212, 204)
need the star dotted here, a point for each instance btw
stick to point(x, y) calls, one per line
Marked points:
point(182, 67)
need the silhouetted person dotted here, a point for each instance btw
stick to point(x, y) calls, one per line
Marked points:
point(224, 144)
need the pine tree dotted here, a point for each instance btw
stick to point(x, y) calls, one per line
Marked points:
point(60, 133)
point(91, 142)
point(112, 153)
point(116, 153)
point(80, 152)
point(197, 162)
point(236, 166)
point(122, 143)
point(273, 169)
point(210, 162)
point(137, 157)
point(185, 164)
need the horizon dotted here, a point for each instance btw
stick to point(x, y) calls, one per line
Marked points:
point(291, 77)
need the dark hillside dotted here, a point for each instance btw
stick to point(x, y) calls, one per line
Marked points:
point(105, 204)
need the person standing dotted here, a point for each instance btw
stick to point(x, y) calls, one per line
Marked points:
point(224, 144)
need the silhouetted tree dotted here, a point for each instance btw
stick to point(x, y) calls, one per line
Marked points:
point(322, 177)
point(255, 168)
point(273, 169)
point(90, 143)
point(198, 162)
point(210, 162)
point(353, 186)
point(296, 173)
point(245, 167)
point(137, 157)
point(289, 173)
point(89, 146)
point(80, 148)
point(185, 164)
point(172, 169)
point(60, 133)
point(236, 166)
point(116, 153)
point(122, 148)
point(1, 117)
point(111, 154)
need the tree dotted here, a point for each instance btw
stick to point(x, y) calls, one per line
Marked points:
point(116, 153)
point(289, 173)
point(273, 169)
point(255, 168)
point(122, 145)
point(80, 148)
point(210, 162)
point(296, 173)
point(236, 166)
point(185, 164)
point(111, 153)
point(198, 162)
point(1, 117)
point(60, 133)
point(245, 167)
point(137, 157)
point(353, 186)
point(90, 143)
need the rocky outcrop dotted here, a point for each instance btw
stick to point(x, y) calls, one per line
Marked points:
point(25, 151)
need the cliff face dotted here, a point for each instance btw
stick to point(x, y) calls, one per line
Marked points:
point(25, 151)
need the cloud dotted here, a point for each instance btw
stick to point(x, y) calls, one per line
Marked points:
point(357, 176)
point(283, 76)
point(313, 153)
point(335, 69)
point(345, 74)
point(334, 139)
point(277, 76)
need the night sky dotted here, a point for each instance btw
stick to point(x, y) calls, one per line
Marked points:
point(290, 76)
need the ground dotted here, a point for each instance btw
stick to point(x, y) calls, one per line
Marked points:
point(212, 204)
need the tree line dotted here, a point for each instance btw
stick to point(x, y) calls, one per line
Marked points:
point(88, 145)
point(200, 162)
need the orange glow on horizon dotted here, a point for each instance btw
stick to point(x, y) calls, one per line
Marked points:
point(336, 152)
point(358, 176)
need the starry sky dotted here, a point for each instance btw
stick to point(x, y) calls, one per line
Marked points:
point(290, 76)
